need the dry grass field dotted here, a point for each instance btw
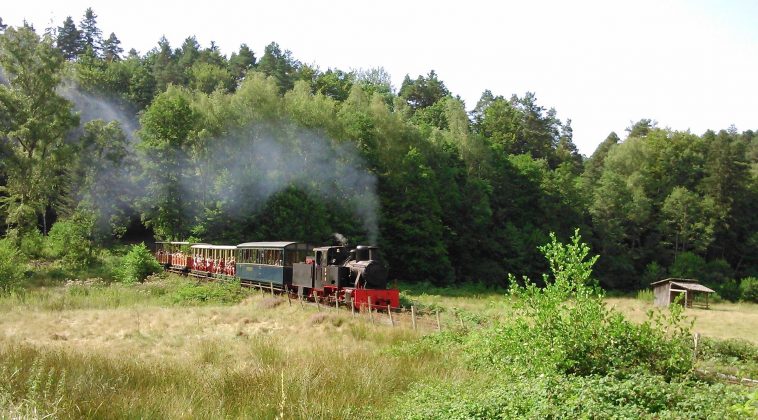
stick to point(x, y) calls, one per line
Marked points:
point(722, 320)
point(261, 357)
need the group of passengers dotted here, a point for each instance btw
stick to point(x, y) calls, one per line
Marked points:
point(173, 258)
point(215, 265)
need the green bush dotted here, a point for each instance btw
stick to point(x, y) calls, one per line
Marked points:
point(71, 240)
point(749, 289)
point(563, 353)
point(137, 264)
point(11, 266)
point(728, 289)
point(556, 396)
point(217, 292)
point(32, 244)
point(728, 350)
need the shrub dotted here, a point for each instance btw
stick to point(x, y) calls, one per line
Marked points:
point(11, 266)
point(32, 244)
point(733, 348)
point(71, 240)
point(728, 289)
point(219, 292)
point(749, 289)
point(555, 396)
point(137, 264)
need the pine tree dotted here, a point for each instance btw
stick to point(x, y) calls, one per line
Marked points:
point(112, 48)
point(91, 35)
point(240, 63)
point(68, 39)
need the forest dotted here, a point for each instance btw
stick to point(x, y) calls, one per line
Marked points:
point(99, 146)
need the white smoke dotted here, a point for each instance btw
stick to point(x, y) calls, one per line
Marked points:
point(92, 106)
point(261, 160)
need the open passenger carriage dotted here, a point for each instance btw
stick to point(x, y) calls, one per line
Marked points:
point(174, 255)
point(214, 260)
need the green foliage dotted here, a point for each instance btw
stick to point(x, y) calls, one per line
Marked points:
point(554, 396)
point(32, 244)
point(653, 272)
point(687, 265)
point(749, 289)
point(71, 240)
point(459, 199)
point(137, 265)
point(11, 266)
point(563, 354)
point(210, 293)
point(729, 289)
point(34, 122)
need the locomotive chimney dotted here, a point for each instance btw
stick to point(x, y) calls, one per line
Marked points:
point(362, 253)
point(373, 253)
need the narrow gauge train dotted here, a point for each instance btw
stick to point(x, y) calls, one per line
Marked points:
point(351, 275)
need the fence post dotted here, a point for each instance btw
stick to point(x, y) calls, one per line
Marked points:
point(336, 300)
point(271, 284)
point(413, 316)
point(287, 291)
point(352, 307)
point(389, 311)
point(370, 313)
point(318, 302)
point(460, 320)
point(439, 325)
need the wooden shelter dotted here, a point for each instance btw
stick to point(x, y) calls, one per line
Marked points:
point(691, 291)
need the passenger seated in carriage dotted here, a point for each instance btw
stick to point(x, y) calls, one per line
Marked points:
point(231, 266)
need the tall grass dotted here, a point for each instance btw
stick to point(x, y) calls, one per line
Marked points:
point(646, 295)
point(270, 377)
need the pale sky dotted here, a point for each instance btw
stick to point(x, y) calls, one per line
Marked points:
point(686, 64)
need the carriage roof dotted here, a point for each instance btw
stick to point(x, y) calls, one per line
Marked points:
point(271, 245)
point(209, 246)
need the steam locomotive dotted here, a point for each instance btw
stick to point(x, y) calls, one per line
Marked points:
point(352, 276)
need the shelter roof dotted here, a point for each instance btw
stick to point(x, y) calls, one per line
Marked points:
point(695, 287)
point(671, 279)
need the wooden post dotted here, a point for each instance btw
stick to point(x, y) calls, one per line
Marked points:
point(336, 301)
point(318, 302)
point(370, 314)
point(300, 298)
point(460, 320)
point(271, 284)
point(287, 291)
point(696, 339)
point(352, 307)
point(413, 316)
point(439, 325)
point(389, 311)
